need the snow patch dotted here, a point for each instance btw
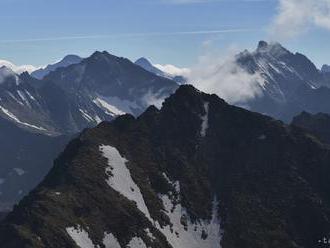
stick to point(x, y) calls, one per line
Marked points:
point(183, 232)
point(110, 241)
point(149, 234)
point(19, 171)
point(29, 95)
point(23, 97)
point(13, 117)
point(205, 120)
point(97, 119)
point(119, 178)
point(136, 243)
point(89, 118)
point(86, 115)
point(80, 237)
point(15, 99)
point(108, 108)
point(116, 105)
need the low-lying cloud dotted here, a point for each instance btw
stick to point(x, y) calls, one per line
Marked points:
point(17, 68)
point(298, 16)
point(173, 70)
point(225, 78)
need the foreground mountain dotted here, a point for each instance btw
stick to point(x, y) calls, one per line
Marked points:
point(317, 124)
point(292, 83)
point(197, 173)
point(65, 62)
point(25, 159)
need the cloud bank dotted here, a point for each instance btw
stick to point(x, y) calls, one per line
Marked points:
point(18, 69)
point(297, 16)
point(173, 70)
point(226, 79)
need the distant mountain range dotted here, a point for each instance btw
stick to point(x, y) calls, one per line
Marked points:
point(79, 95)
point(196, 173)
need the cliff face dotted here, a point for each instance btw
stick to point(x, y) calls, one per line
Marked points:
point(197, 173)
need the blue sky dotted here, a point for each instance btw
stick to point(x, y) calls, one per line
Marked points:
point(166, 31)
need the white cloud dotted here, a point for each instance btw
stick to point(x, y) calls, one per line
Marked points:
point(225, 78)
point(297, 16)
point(18, 69)
point(173, 70)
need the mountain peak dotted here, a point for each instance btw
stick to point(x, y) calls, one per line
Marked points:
point(262, 45)
point(70, 56)
point(143, 62)
point(325, 68)
point(65, 62)
point(100, 53)
point(275, 48)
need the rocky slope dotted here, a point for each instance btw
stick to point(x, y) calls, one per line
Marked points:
point(197, 173)
point(291, 82)
point(80, 95)
point(114, 84)
point(317, 124)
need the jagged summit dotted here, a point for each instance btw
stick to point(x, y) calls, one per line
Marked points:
point(262, 45)
point(275, 49)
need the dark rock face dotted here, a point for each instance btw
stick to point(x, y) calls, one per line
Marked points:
point(263, 183)
point(317, 124)
point(292, 83)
